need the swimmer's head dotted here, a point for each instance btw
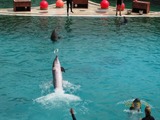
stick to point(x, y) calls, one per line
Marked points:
point(137, 100)
point(137, 104)
point(147, 110)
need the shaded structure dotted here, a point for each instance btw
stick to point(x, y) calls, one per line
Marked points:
point(22, 5)
point(80, 3)
point(141, 5)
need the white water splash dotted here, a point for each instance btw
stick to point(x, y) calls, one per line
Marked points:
point(132, 111)
point(57, 98)
point(69, 87)
point(128, 103)
point(45, 87)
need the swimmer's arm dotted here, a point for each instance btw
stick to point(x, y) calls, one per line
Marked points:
point(72, 113)
point(73, 117)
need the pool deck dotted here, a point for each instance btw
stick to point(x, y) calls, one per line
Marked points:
point(93, 10)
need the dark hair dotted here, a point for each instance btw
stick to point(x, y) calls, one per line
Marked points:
point(137, 100)
point(147, 110)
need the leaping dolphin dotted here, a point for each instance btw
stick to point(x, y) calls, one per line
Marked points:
point(57, 74)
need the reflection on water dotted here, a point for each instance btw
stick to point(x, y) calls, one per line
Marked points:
point(44, 21)
point(68, 24)
point(155, 4)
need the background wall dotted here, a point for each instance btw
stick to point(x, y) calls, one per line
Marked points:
point(155, 4)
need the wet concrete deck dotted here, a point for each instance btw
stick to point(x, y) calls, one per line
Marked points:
point(93, 10)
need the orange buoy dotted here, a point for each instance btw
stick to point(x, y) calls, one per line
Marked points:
point(122, 7)
point(59, 3)
point(104, 4)
point(43, 5)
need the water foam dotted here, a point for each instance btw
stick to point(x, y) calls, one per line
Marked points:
point(45, 87)
point(69, 87)
point(58, 97)
point(132, 111)
point(128, 103)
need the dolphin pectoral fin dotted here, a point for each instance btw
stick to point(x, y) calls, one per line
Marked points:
point(62, 69)
point(53, 68)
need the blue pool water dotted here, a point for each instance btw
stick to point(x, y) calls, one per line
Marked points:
point(107, 66)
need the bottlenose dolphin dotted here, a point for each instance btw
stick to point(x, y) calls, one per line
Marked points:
point(57, 74)
point(54, 35)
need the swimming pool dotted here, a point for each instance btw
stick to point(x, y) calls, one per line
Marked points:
point(107, 65)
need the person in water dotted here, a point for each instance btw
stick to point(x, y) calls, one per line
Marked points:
point(136, 105)
point(72, 114)
point(148, 114)
point(119, 3)
point(69, 3)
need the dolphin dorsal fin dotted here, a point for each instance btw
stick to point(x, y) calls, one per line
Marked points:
point(53, 68)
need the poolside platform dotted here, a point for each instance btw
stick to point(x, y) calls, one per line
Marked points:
point(22, 5)
point(93, 10)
